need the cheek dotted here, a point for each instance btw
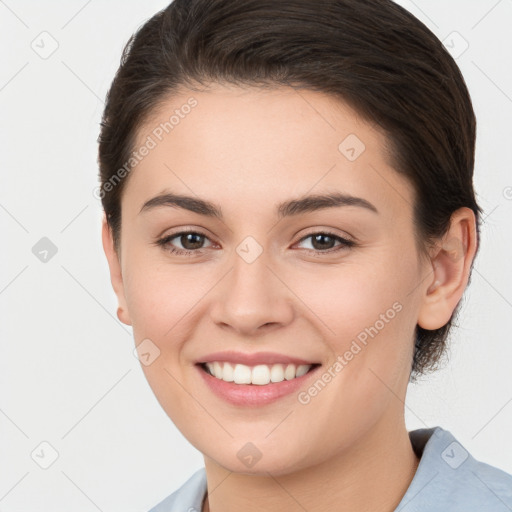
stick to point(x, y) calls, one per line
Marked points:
point(348, 299)
point(162, 301)
point(160, 295)
point(366, 314)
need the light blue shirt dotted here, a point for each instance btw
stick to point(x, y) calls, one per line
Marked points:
point(448, 479)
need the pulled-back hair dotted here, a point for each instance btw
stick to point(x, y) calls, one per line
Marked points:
point(371, 54)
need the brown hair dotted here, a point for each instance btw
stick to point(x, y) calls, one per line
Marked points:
point(372, 54)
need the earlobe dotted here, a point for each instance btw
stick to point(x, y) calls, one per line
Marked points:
point(451, 266)
point(116, 277)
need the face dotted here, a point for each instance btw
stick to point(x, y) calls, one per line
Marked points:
point(268, 281)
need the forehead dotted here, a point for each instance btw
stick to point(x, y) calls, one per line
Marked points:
point(239, 144)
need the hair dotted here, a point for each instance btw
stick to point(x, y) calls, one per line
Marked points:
point(373, 55)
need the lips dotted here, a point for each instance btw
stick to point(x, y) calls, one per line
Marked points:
point(254, 379)
point(256, 358)
point(251, 395)
point(259, 368)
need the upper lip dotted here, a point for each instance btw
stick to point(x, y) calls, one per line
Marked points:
point(251, 359)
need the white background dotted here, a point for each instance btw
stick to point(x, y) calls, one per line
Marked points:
point(68, 374)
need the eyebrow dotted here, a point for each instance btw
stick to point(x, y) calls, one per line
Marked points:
point(288, 208)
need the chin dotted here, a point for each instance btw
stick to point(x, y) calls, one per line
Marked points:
point(251, 460)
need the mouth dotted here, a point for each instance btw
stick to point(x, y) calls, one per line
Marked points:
point(256, 375)
point(255, 379)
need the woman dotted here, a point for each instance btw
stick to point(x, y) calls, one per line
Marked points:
point(290, 224)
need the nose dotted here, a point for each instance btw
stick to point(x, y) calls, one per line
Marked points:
point(252, 298)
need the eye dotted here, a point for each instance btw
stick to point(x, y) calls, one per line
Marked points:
point(191, 242)
point(322, 242)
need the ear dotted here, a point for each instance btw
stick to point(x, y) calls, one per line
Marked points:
point(116, 277)
point(451, 267)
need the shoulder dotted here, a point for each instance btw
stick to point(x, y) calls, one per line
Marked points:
point(188, 497)
point(449, 478)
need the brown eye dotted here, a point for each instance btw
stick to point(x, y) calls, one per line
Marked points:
point(326, 242)
point(190, 241)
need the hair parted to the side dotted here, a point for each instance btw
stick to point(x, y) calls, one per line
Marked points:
point(371, 54)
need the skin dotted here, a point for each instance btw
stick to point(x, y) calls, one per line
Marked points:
point(248, 150)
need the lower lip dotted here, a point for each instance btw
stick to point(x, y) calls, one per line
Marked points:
point(253, 394)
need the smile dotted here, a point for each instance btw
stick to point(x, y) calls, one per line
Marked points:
point(260, 375)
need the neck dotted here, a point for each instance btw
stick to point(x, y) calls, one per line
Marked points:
point(373, 474)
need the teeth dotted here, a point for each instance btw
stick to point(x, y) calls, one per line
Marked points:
point(277, 373)
point(289, 373)
point(217, 370)
point(241, 375)
point(259, 375)
point(302, 370)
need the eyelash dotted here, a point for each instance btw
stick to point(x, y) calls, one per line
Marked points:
point(345, 243)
